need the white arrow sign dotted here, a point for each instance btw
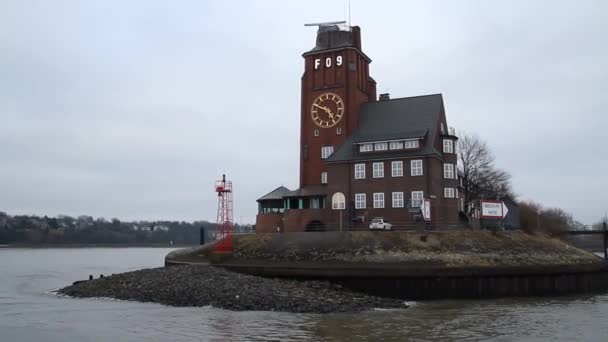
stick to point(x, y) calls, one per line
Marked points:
point(493, 209)
point(505, 210)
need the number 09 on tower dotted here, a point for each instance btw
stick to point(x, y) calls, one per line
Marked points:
point(328, 62)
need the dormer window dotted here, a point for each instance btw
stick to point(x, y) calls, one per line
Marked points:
point(396, 145)
point(393, 145)
point(382, 146)
point(411, 144)
point(366, 147)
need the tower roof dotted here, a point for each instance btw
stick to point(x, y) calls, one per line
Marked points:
point(332, 37)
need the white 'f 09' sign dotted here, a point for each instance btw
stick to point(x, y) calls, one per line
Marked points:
point(328, 62)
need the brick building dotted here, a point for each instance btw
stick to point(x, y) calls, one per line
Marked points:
point(362, 156)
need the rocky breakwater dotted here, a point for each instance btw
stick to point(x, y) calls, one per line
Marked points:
point(191, 285)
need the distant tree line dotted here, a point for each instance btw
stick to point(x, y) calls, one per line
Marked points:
point(63, 229)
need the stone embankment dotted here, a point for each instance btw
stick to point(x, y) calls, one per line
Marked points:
point(210, 286)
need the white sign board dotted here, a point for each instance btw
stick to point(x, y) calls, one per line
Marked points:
point(493, 209)
point(425, 207)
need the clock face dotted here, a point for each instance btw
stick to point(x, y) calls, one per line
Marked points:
point(327, 110)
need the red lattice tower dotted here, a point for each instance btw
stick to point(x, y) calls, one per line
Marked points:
point(224, 215)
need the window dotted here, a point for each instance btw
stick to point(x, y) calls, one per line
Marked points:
point(397, 168)
point(339, 130)
point(315, 132)
point(378, 170)
point(323, 177)
point(314, 203)
point(448, 171)
point(448, 146)
point(416, 166)
point(326, 151)
point(381, 146)
point(448, 193)
point(396, 145)
point(338, 201)
point(417, 197)
point(366, 147)
point(359, 171)
point(442, 128)
point(360, 202)
point(378, 200)
point(397, 199)
point(411, 144)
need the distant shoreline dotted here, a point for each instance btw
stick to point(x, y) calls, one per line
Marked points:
point(93, 245)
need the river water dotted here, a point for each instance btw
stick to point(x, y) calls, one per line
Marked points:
point(30, 312)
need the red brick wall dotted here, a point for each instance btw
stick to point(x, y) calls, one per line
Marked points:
point(268, 223)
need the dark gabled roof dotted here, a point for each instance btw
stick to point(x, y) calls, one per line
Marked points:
point(403, 118)
point(309, 190)
point(276, 194)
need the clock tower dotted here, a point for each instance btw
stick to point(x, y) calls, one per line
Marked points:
point(335, 83)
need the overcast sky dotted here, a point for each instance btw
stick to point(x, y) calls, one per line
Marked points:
point(132, 109)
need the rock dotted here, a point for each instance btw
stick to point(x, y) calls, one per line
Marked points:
point(207, 285)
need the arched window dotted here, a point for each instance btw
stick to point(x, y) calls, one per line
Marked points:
point(338, 201)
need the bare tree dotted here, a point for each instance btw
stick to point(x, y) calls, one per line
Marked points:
point(553, 221)
point(481, 178)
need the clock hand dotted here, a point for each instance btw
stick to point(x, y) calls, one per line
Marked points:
point(325, 109)
point(320, 107)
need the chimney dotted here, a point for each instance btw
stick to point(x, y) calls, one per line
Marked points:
point(356, 36)
point(385, 97)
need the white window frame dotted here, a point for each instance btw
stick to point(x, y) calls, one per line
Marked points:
point(449, 193)
point(324, 177)
point(448, 146)
point(448, 171)
point(378, 170)
point(379, 200)
point(338, 201)
point(338, 130)
point(398, 199)
point(360, 201)
point(397, 168)
point(417, 198)
point(416, 170)
point(408, 144)
point(396, 145)
point(366, 147)
point(315, 132)
point(381, 146)
point(326, 151)
point(360, 171)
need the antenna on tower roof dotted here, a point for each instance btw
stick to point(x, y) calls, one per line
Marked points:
point(327, 23)
point(348, 13)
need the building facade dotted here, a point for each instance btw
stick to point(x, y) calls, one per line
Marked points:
point(362, 156)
